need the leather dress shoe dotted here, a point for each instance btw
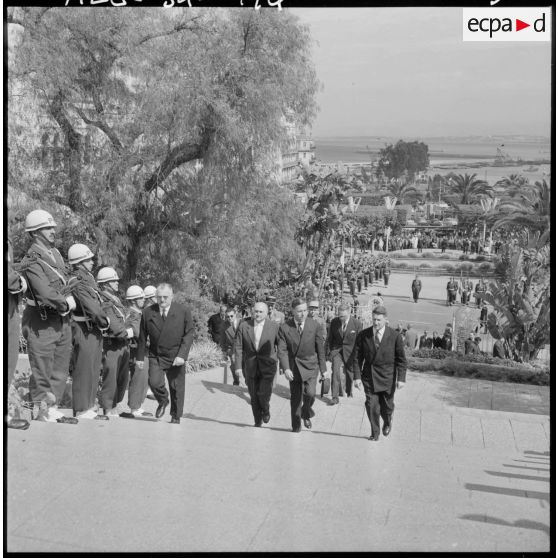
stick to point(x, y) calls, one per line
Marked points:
point(101, 417)
point(258, 423)
point(126, 414)
point(373, 438)
point(266, 417)
point(334, 401)
point(387, 427)
point(308, 423)
point(175, 420)
point(161, 409)
point(18, 424)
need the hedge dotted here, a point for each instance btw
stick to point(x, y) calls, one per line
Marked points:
point(481, 366)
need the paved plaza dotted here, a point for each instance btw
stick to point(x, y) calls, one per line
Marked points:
point(456, 473)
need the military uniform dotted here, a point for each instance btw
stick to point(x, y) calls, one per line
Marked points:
point(416, 287)
point(116, 355)
point(46, 323)
point(452, 288)
point(137, 390)
point(89, 320)
point(387, 273)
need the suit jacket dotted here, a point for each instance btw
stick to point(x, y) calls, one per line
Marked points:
point(228, 338)
point(416, 285)
point(169, 338)
point(216, 327)
point(264, 358)
point(303, 355)
point(340, 344)
point(385, 366)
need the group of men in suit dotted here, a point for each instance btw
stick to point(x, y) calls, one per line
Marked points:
point(373, 359)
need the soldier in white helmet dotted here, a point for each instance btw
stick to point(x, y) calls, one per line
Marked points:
point(46, 318)
point(137, 389)
point(150, 293)
point(89, 322)
point(116, 355)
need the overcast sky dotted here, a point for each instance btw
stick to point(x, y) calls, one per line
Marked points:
point(407, 71)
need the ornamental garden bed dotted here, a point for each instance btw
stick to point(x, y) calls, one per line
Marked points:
point(481, 367)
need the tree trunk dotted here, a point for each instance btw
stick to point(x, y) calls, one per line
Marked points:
point(74, 142)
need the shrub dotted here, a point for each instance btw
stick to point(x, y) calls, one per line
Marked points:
point(444, 256)
point(481, 366)
point(465, 267)
point(424, 266)
point(204, 354)
point(484, 267)
point(428, 255)
point(413, 255)
point(202, 308)
point(432, 353)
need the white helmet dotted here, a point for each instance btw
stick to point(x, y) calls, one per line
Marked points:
point(38, 219)
point(107, 274)
point(150, 291)
point(79, 253)
point(133, 292)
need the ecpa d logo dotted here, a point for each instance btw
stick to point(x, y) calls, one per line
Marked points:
point(507, 24)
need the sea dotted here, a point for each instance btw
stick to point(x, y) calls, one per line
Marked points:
point(449, 154)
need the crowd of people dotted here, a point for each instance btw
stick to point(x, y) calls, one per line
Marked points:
point(432, 240)
point(75, 321)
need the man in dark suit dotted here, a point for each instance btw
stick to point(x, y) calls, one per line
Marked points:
point(301, 356)
point(341, 340)
point(233, 322)
point(217, 324)
point(170, 330)
point(255, 345)
point(380, 361)
point(425, 342)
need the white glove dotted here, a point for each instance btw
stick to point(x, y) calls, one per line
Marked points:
point(71, 303)
point(130, 333)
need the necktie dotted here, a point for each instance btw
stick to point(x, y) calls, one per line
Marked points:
point(300, 329)
point(376, 340)
point(344, 328)
point(164, 314)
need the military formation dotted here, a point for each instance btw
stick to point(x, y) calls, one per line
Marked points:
point(74, 320)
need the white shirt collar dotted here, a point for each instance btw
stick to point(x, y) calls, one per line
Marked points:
point(380, 332)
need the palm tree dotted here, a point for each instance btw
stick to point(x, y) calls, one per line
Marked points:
point(529, 209)
point(512, 183)
point(403, 191)
point(468, 187)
